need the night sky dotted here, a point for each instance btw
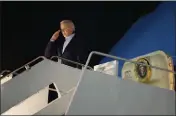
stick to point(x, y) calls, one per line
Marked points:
point(28, 26)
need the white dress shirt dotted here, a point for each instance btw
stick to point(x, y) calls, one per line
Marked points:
point(67, 41)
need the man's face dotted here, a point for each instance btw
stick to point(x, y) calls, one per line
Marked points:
point(66, 30)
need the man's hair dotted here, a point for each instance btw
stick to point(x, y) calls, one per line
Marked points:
point(68, 22)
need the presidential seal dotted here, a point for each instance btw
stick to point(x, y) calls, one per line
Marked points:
point(142, 72)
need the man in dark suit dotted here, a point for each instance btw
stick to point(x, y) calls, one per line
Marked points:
point(71, 48)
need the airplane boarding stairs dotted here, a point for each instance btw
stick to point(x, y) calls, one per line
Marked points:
point(81, 92)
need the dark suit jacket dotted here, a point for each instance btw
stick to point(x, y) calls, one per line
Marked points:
point(75, 51)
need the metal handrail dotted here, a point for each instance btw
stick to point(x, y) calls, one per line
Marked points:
point(4, 71)
point(27, 64)
point(123, 59)
point(1, 74)
point(71, 61)
point(113, 57)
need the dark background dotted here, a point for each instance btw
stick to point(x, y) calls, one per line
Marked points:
point(28, 26)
